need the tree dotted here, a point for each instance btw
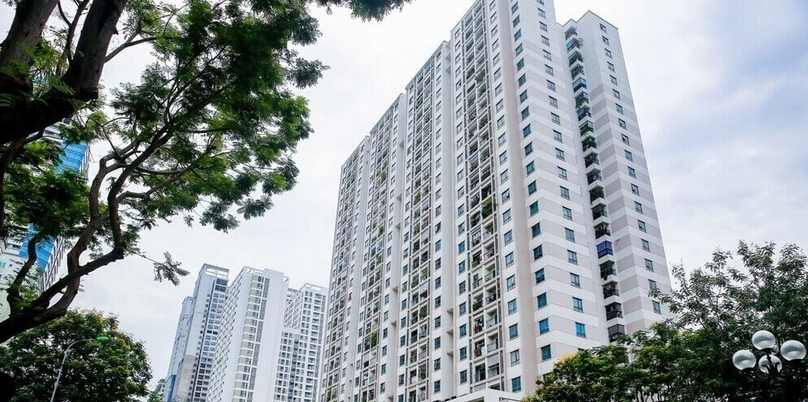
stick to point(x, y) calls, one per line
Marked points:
point(717, 309)
point(112, 370)
point(206, 135)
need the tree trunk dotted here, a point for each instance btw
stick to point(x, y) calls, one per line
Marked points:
point(82, 76)
point(24, 35)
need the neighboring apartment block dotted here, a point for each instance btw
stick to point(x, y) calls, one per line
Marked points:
point(299, 360)
point(250, 339)
point(498, 217)
point(195, 342)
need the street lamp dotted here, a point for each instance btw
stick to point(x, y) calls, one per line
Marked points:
point(64, 358)
point(769, 363)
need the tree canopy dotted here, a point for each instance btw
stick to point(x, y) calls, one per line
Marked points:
point(206, 135)
point(94, 371)
point(689, 358)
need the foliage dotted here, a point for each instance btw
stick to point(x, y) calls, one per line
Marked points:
point(717, 308)
point(97, 371)
point(207, 134)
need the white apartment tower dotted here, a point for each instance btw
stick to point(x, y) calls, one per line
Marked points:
point(246, 360)
point(298, 363)
point(189, 371)
point(499, 216)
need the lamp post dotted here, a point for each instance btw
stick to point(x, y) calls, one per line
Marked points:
point(64, 358)
point(772, 367)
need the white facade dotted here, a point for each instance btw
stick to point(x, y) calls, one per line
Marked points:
point(299, 359)
point(246, 360)
point(498, 217)
point(196, 338)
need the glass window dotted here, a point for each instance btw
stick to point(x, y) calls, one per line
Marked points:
point(577, 304)
point(580, 330)
point(512, 306)
point(509, 259)
point(575, 280)
point(546, 353)
point(511, 282)
point(544, 326)
point(572, 257)
point(531, 188)
point(535, 230)
point(541, 300)
point(513, 331)
point(538, 252)
point(539, 275)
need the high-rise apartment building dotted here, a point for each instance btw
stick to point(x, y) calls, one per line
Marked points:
point(246, 360)
point(499, 216)
point(299, 359)
point(195, 342)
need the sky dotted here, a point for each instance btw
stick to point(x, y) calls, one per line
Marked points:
point(720, 92)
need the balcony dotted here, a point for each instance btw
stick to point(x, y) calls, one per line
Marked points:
point(575, 43)
point(606, 269)
point(599, 211)
point(604, 249)
point(588, 141)
point(586, 128)
point(614, 310)
point(596, 193)
point(578, 84)
point(576, 71)
point(575, 57)
point(602, 229)
point(610, 290)
point(584, 113)
point(616, 331)
point(570, 32)
point(591, 159)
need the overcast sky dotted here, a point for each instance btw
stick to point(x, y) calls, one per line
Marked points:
point(721, 92)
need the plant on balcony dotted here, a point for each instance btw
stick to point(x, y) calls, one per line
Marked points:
point(487, 207)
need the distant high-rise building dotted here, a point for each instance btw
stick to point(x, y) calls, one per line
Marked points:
point(197, 334)
point(299, 359)
point(498, 217)
point(246, 360)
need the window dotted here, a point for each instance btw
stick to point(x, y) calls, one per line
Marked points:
point(641, 226)
point(616, 93)
point(520, 64)
point(464, 376)
point(511, 282)
point(530, 168)
point(506, 216)
point(506, 195)
point(566, 213)
point(546, 353)
point(512, 306)
point(516, 384)
point(551, 85)
point(518, 49)
point(632, 172)
point(625, 139)
point(635, 189)
point(508, 237)
point(547, 55)
point(580, 330)
point(534, 207)
point(543, 26)
point(509, 260)
point(649, 265)
point(570, 234)
point(565, 193)
point(541, 300)
point(498, 89)
point(437, 322)
point(461, 247)
point(525, 113)
point(538, 252)
point(608, 53)
point(610, 65)
point(629, 156)
point(517, 35)
point(437, 245)
point(513, 331)
point(437, 386)
point(548, 69)
point(503, 177)
point(575, 280)
point(572, 257)
point(522, 80)
point(500, 105)
point(555, 118)
point(553, 102)
point(531, 188)
point(539, 275)
point(652, 284)
point(622, 123)
point(603, 27)
point(535, 230)
point(526, 130)
point(657, 307)
point(461, 287)
point(544, 326)
point(437, 286)
point(516, 21)
point(646, 245)
point(500, 122)
point(503, 157)
point(522, 96)
point(613, 79)
point(619, 108)
point(515, 357)
point(501, 140)
point(462, 309)
point(605, 39)
point(577, 304)
point(514, 7)
point(461, 267)
point(463, 330)
point(637, 207)
point(545, 40)
point(437, 298)
point(559, 154)
point(558, 136)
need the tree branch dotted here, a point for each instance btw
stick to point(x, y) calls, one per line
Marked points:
point(129, 43)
